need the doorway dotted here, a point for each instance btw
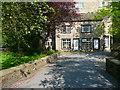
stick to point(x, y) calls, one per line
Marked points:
point(96, 43)
point(76, 44)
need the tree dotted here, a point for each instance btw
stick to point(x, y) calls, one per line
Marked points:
point(24, 24)
point(27, 25)
point(64, 12)
point(113, 12)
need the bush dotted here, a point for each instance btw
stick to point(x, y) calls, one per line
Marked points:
point(51, 52)
point(10, 59)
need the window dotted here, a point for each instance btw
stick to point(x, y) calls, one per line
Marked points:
point(106, 40)
point(101, 4)
point(109, 3)
point(79, 5)
point(66, 43)
point(48, 44)
point(86, 28)
point(86, 43)
point(66, 29)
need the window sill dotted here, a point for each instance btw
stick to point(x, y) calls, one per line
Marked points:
point(66, 48)
point(66, 33)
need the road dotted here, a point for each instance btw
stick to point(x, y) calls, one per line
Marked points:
point(75, 70)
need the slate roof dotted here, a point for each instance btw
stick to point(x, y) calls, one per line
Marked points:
point(84, 17)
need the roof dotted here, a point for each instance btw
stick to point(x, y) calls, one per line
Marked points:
point(84, 17)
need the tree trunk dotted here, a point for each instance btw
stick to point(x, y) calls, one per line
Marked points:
point(41, 46)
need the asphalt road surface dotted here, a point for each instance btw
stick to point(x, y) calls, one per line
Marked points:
point(75, 70)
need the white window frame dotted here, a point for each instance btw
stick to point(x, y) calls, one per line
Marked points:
point(86, 42)
point(79, 5)
point(101, 4)
point(66, 29)
point(68, 43)
point(86, 26)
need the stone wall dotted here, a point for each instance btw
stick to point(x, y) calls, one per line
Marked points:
point(115, 50)
point(11, 75)
point(113, 67)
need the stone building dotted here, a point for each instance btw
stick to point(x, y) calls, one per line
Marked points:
point(84, 33)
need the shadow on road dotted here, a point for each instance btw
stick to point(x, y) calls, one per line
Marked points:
point(82, 70)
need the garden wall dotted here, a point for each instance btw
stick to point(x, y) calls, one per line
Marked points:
point(113, 67)
point(11, 75)
point(115, 50)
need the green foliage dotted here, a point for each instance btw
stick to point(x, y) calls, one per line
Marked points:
point(24, 25)
point(51, 52)
point(56, 51)
point(28, 71)
point(116, 20)
point(112, 11)
point(10, 59)
point(101, 13)
point(0, 36)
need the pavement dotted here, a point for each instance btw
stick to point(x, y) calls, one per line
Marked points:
point(73, 70)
